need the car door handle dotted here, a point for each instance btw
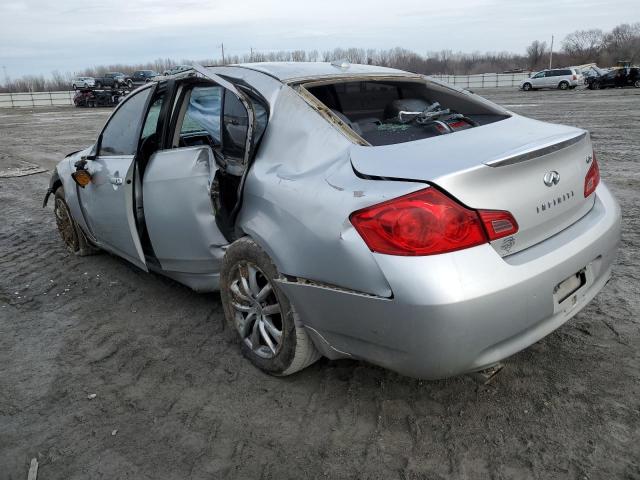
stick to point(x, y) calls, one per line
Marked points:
point(115, 180)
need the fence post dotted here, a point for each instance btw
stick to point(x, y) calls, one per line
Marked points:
point(11, 98)
point(33, 103)
point(50, 98)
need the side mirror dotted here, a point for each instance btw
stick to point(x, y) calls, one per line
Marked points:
point(93, 154)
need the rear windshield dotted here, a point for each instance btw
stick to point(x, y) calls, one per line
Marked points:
point(389, 112)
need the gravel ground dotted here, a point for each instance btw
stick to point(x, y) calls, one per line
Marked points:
point(175, 400)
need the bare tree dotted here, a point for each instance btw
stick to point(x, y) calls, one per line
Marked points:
point(535, 54)
point(623, 42)
point(584, 45)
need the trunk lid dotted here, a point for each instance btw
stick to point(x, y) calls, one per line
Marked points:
point(500, 166)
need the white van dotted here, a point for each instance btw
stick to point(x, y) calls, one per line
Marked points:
point(561, 78)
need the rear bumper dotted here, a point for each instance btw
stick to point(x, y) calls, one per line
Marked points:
point(465, 310)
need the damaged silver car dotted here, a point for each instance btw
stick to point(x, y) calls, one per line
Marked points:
point(348, 211)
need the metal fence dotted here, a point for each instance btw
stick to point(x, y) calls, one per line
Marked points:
point(484, 80)
point(65, 98)
point(36, 99)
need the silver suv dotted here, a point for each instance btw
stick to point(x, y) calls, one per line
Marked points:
point(561, 78)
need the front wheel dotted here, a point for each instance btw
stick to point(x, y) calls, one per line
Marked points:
point(259, 311)
point(70, 232)
point(526, 87)
point(636, 84)
point(563, 85)
point(98, 85)
point(130, 83)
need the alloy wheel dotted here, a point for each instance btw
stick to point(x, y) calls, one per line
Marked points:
point(257, 311)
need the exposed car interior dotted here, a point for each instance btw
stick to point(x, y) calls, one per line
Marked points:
point(385, 112)
point(204, 114)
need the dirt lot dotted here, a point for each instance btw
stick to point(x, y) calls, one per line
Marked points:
point(175, 400)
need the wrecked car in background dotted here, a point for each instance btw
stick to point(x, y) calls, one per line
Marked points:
point(615, 78)
point(348, 211)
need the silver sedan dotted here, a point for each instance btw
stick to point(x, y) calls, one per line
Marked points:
point(348, 211)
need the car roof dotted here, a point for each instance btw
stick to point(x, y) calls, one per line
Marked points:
point(289, 71)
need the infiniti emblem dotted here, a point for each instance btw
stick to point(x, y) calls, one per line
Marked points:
point(551, 178)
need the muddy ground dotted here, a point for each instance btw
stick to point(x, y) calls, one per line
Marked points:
point(175, 400)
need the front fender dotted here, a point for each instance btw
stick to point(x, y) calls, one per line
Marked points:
point(54, 183)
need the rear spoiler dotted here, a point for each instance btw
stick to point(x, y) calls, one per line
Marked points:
point(528, 153)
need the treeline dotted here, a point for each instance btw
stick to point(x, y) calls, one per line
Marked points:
point(577, 48)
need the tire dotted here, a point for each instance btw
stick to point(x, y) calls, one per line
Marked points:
point(526, 87)
point(274, 342)
point(636, 84)
point(75, 87)
point(129, 83)
point(563, 85)
point(70, 232)
point(98, 85)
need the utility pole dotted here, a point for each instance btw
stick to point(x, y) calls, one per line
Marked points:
point(6, 77)
point(251, 56)
point(551, 53)
point(222, 46)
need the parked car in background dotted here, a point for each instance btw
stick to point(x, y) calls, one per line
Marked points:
point(140, 77)
point(561, 78)
point(111, 79)
point(176, 69)
point(83, 82)
point(96, 98)
point(616, 78)
point(592, 72)
point(348, 211)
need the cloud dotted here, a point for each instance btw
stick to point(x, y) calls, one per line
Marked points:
point(39, 35)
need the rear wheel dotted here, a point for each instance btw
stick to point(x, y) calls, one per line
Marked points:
point(563, 85)
point(636, 84)
point(130, 83)
point(526, 87)
point(70, 232)
point(98, 84)
point(258, 310)
point(75, 87)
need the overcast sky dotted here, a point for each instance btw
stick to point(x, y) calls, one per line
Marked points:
point(39, 36)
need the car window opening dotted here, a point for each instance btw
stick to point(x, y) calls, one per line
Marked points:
point(389, 112)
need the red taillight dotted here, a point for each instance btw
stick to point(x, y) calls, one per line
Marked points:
point(498, 223)
point(575, 77)
point(426, 222)
point(592, 179)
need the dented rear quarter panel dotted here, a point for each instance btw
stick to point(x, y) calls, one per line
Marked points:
point(299, 194)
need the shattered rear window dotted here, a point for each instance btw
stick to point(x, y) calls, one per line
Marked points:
point(385, 112)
